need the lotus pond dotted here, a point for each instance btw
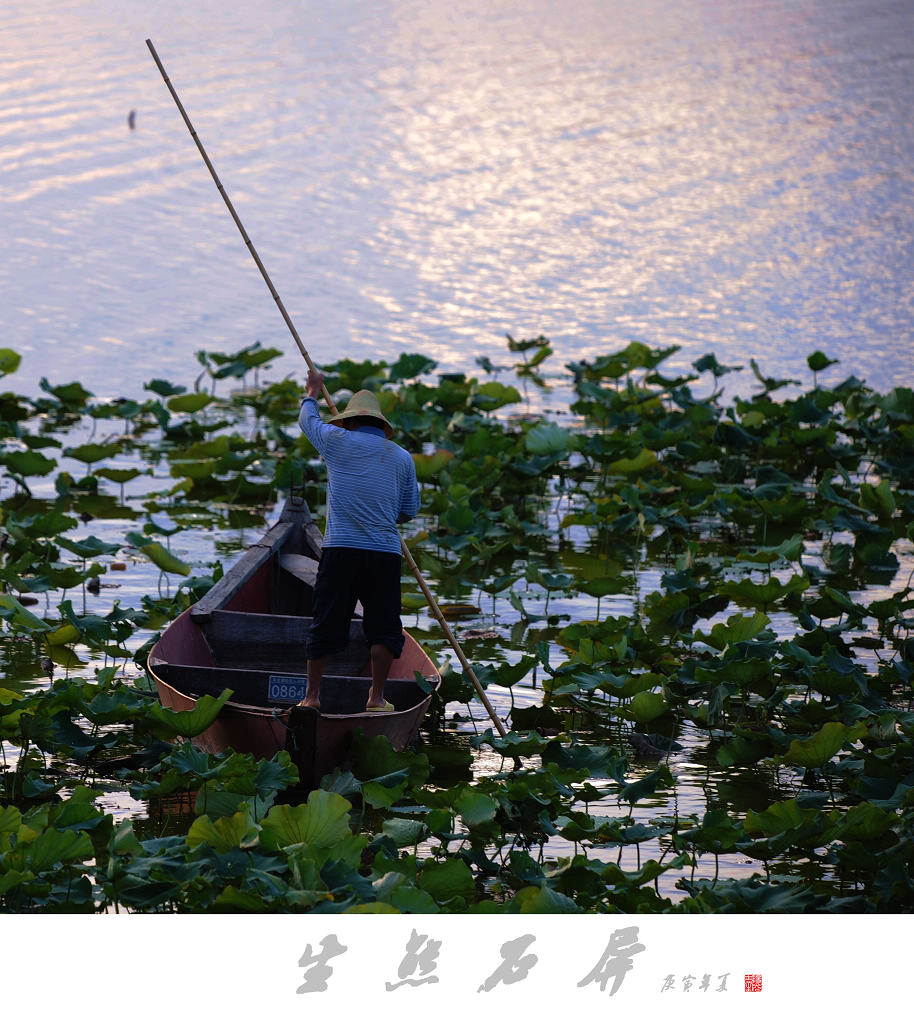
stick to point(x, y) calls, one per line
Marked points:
point(692, 613)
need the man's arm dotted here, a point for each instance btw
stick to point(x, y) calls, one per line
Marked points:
point(310, 418)
point(409, 502)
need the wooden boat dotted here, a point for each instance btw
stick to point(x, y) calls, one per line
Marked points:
point(247, 634)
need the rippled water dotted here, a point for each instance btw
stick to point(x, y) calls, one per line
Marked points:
point(426, 177)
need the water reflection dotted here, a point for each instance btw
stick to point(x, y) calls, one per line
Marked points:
point(427, 179)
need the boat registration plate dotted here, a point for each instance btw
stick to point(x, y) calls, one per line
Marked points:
point(286, 689)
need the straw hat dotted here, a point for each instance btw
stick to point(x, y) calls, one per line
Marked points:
point(363, 403)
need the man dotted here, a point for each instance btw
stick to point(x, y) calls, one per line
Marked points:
point(371, 487)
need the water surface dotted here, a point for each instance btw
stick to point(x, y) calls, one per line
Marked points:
point(427, 177)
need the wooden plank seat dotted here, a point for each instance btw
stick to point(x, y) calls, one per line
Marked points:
point(278, 642)
point(340, 695)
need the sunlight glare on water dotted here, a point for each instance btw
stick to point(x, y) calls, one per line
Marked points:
point(429, 178)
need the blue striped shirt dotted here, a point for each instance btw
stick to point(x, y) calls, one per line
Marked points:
point(371, 483)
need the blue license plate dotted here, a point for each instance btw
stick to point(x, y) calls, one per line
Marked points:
point(286, 689)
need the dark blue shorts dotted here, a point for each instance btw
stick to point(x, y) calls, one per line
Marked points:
point(348, 575)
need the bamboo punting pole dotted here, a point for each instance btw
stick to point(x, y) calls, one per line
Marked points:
point(423, 586)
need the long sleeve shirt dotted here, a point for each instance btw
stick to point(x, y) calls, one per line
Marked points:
point(371, 483)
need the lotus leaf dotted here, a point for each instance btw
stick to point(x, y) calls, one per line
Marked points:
point(192, 402)
point(91, 453)
point(9, 361)
point(405, 831)
point(645, 707)
point(820, 748)
point(73, 395)
point(385, 791)
point(165, 560)
point(224, 834)
point(647, 785)
point(447, 881)
point(28, 463)
point(429, 467)
point(541, 899)
point(20, 617)
point(322, 822)
point(167, 723)
point(738, 629)
point(475, 808)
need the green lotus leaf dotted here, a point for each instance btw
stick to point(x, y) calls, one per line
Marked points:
point(709, 362)
point(47, 525)
point(88, 547)
point(744, 750)
point(165, 560)
point(410, 365)
point(548, 439)
point(192, 402)
point(512, 744)
point(211, 448)
point(865, 822)
point(540, 899)
point(459, 518)
point(49, 848)
point(385, 792)
point(646, 786)
point(717, 832)
point(19, 616)
point(844, 603)
point(10, 822)
point(224, 834)
point(428, 467)
point(412, 602)
point(407, 899)
point(352, 376)
point(646, 706)
point(164, 388)
point(644, 460)
point(9, 361)
point(494, 395)
point(475, 808)
point(91, 453)
point(118, 476)
point(447, 880)
point(194, 469)
point(217, 802)
point(405, 831)
point(822, 746)
point(645, 875)
point(779, 817)
point(171, 724)
point(738, 629)
point(78, 814)
point(73, 395)
point(819, 361)
point(28, 463)
point(878, 499)
point(754, 594)
point(600, 762)
point(321, 822)
point(602, 586)
point(375, 759)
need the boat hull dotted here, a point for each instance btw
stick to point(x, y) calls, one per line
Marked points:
point(248, 635)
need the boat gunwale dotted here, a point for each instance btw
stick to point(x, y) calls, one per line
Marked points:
point(279, 711)
point(250, 586)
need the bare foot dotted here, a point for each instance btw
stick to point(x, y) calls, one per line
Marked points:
point(309, 704)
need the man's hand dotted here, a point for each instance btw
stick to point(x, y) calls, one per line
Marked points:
point(315, 384)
